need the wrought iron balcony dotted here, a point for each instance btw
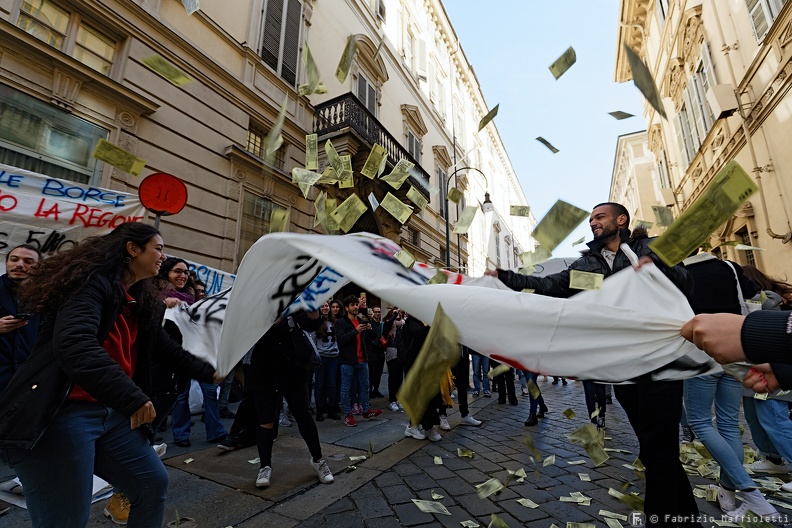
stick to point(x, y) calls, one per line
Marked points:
point(347, 112)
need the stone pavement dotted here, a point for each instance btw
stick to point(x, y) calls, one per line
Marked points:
point(217, 489)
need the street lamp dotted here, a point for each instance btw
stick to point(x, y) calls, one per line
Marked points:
point(486, 207)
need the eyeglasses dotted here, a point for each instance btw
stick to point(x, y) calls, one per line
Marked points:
point(178, 271)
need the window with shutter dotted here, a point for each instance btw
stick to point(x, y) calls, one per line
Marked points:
point(414, 146)
point(759, 18)
point(681, 137)
point(443, 184)
point(280, 41)
point(367, 94)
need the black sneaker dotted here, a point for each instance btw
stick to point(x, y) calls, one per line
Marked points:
point(225, 413)
point(229, 444)
point(532, 420)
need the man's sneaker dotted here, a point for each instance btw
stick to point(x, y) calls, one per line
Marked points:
point(563, 381)
point(325, 477)
point(394, 406)
point(475, 393)
point(469, 420)
point(443, 424)
point(371, 413)
point(727, 499)
point(753, 501)
point(487, 394)
point(284, 421)
point(264, 476)
point(226, 413)
point(767, 466)
point(415, 433)
point(433, 435)
point(117, 508)
point(787, 487)
point(350, 420)
point(687, 434)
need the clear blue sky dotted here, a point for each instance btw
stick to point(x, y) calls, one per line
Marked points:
point(510, 44)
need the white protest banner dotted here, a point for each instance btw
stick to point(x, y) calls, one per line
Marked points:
point(613, 341)
point(215, 280)
point(53, 214)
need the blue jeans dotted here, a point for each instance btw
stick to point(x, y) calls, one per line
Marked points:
point(772, 416)
point(533, 402)
point(181, 414)
point(83, 439)
point(325, 386)
point(355, 376)
point(724, 444)
point(481, 366)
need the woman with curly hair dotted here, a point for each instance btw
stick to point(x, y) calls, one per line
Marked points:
point(80, 404)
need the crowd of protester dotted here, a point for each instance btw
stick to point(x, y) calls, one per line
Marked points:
point(87, 321)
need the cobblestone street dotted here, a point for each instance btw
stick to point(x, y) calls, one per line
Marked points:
point(217, 490)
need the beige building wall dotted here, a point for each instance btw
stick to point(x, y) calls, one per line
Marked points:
point(740, 47)
point(209, 131)
point(633, 179)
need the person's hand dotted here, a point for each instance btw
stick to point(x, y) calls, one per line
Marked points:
point(8, 324)
point(171, 302)
point(718, 335)
point(643, 261)
point(217, 379)
point(361, 328)
point(143, 415)
point(491, 273)
point(761, 379)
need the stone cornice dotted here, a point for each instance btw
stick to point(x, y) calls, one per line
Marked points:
point(632, 29)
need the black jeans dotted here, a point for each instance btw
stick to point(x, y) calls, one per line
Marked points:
point(595, 399)
point(654, 409)
point(293, 387)
point(376, 366)
point(505, 384)
point(461, 372)
point(395, 378)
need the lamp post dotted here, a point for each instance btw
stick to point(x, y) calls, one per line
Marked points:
point(486, 207)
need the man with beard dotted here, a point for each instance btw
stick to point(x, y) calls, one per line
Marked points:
point(18, 330)
point(654, 408)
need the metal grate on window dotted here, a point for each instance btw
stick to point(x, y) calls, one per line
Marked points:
point(255, 144)
point(750, 258)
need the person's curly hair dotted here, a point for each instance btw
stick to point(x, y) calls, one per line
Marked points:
point(55, 280)
point(163, 277)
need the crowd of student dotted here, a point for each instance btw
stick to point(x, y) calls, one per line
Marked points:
point(89, 374)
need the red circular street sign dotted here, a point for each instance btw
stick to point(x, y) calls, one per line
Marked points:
point(163, 194)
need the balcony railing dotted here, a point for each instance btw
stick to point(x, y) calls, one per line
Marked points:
point(346, 111)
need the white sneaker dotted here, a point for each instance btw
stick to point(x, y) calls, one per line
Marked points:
point(394, 407)
point(415, 433)
point(284, 420)
point(767, 513)
point(325, 477)
point(787, 487)
point(433, 435)
point(727, 500)
point(264, 476)
point(444, 424)
point(469, 420)
point(766, 466)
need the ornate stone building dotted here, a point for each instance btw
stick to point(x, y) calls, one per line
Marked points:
point(74, 72)
point(723, 72)
point(633, 183)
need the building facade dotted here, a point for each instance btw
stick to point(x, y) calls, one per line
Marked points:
point(723, 73)
point(633, 181)
point(195, 95)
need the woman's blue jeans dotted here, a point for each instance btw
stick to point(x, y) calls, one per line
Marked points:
point(533, 402)
point(181, 414)
point(771, 428)
point(723, 443)
point(481, 366)
point(83, 439)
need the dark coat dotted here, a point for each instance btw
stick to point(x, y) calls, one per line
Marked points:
point(346, 336)
point(15, 346)
point(557, 284)
point(715, 284)
point(69, 351)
